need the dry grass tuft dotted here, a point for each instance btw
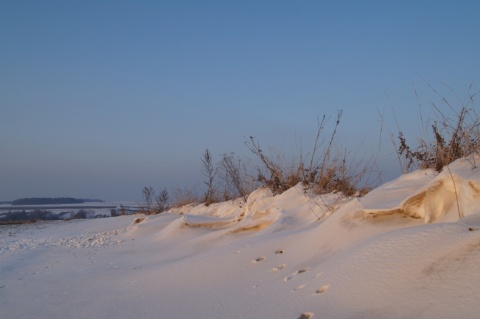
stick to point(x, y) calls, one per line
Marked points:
point(455, 134)
point(325, 173)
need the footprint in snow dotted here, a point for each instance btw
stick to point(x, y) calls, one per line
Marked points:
point(322, 289)
point(299, 288)
point(258, 260)
point(307, 315)
point(279, 267)
point(301, 271)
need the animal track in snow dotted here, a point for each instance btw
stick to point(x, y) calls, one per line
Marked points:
point(300, 271)
point(258, 260)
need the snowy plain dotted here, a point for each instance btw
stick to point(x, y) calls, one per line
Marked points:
point(408, 249)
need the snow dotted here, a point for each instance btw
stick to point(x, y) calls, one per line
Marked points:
point(408, 249)
point(68, 211)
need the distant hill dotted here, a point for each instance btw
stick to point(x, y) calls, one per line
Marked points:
point(52, 201)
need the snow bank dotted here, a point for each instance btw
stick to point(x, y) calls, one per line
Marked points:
point(402, 251)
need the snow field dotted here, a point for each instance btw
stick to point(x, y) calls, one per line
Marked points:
point(402, 251)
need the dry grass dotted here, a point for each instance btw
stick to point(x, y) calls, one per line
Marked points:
point(455, 134)
point(184, 196)
point(324, 169)
point(340, 178)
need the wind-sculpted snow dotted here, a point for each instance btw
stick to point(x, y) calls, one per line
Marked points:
point(447, 196)
point(262, 210)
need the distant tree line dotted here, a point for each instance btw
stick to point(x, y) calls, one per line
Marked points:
point(51, 201)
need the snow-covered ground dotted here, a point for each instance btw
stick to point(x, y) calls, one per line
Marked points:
point(68, 211)
point(408, 249)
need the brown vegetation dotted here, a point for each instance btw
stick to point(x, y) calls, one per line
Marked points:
point(455, 134)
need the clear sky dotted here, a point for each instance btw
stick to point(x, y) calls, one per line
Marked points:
point(101, 98)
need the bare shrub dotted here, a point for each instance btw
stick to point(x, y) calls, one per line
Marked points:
point(162, 200)
point(209, 171)
point(455, 134)
point(148, 195)
point(233, 174)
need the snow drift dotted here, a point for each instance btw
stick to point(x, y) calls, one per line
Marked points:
point(452, 194)
point(408, 249)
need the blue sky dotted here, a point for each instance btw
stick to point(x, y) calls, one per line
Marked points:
point(101, 98)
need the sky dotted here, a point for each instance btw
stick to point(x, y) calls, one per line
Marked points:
point(101, 98)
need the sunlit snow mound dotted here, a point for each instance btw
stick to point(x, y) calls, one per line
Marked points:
point(425, 195)
point(428, 195)
point(296, 206)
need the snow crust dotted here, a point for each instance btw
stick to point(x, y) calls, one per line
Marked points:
point(408, 249)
